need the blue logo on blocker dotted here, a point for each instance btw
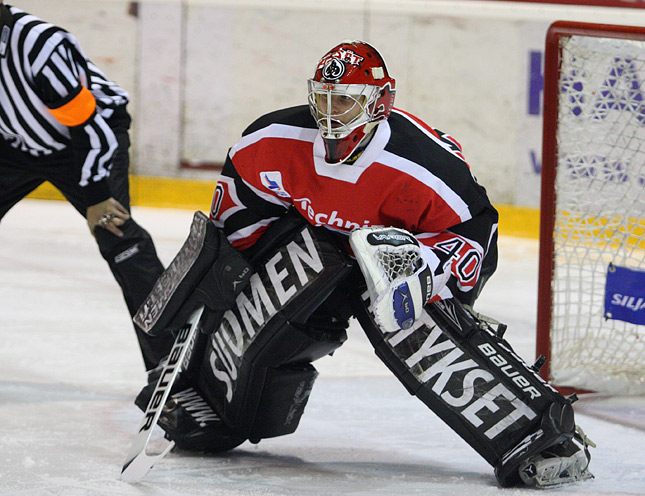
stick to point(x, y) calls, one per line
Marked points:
point(403, 306)
point(625, 295)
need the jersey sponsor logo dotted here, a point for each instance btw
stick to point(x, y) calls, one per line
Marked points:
point(272, 180)
point(271, 288)
point(332, 219)
point(464, 386)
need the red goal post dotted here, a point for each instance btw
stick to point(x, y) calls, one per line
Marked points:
point(585, 350)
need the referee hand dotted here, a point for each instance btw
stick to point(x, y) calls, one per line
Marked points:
point(109, 214)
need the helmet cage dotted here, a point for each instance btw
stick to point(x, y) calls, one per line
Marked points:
point(365, 96)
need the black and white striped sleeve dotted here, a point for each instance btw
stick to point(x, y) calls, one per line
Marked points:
point(61, 80)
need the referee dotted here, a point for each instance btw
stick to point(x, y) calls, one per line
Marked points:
point(63, 121)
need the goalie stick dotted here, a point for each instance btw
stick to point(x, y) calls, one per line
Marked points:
point(138, 462)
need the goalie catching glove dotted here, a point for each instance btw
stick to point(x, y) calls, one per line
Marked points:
point(401, 274)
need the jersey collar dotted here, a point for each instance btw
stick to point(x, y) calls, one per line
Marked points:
point(351, 173)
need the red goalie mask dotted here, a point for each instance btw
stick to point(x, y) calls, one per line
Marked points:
point(350, 90)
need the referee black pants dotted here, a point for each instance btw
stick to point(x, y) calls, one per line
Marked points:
point(132, 259)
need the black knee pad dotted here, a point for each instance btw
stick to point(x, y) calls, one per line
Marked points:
point(285, 393)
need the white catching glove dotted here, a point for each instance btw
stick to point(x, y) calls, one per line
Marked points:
point(399, 275)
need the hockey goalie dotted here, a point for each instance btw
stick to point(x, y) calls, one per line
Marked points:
point(348, 208)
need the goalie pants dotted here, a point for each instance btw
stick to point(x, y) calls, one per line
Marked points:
point(132, 259)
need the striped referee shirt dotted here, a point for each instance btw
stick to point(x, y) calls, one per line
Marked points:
point(52, 97)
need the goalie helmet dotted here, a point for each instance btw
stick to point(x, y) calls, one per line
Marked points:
point(350, 92)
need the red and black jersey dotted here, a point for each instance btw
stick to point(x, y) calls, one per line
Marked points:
point(409, 176)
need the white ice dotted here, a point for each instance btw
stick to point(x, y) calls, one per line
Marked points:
point(70, 368)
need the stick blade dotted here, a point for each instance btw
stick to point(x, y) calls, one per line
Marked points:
point(138, 467)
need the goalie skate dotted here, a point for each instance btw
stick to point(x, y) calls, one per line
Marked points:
point(562, 464)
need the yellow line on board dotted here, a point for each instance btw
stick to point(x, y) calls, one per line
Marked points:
point(192, 194)
point(148, 191)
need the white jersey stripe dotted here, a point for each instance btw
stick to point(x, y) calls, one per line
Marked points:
point(425, 176)
point(275, 131)
point(91, 157)
point(61, 65)
point(105, 160)
point(249, 230)
point(20, 107)
point(49, 46)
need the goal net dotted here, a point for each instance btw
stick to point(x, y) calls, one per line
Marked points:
point(591, 296)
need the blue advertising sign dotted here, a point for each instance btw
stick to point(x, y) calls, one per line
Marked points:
point(625, 295)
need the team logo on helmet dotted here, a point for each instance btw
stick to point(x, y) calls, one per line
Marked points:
point(334, 64)
point(333, 69)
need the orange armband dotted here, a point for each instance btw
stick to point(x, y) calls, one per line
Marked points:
point(76, 111)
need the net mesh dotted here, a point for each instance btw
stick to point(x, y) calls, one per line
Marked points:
point(398, 263)
point(600, 211)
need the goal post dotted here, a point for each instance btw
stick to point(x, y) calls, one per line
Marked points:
point(592, 221)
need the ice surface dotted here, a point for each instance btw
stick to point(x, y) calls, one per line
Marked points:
point(70, 368)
